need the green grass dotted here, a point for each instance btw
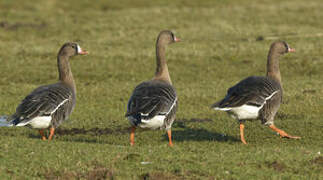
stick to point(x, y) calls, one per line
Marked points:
point(219, 48)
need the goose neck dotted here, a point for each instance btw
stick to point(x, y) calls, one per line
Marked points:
point(162, 68)
point(65, 72)
point(273, 70)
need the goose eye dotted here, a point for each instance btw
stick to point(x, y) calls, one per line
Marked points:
point(286, 46)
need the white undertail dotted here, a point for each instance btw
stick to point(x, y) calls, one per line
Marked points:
point(41, 122)
point(246, 111)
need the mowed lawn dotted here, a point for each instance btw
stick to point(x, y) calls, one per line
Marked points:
point(223, 42)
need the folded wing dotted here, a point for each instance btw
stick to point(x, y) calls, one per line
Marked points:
point(150, 99)
point(250, 91)
point(51, 100)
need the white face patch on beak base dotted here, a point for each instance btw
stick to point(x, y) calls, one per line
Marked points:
point(79, 50)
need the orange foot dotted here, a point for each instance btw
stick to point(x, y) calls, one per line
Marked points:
point(52, 131)
point(169, 132)
point(282, 133)
point(41, 132)
point(132, 136)
point(242, 133)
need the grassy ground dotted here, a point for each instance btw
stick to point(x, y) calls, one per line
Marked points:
point(223, 42)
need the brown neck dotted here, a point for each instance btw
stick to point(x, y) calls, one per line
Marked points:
point(273, 65)
point(64, 71)
point(162, 69)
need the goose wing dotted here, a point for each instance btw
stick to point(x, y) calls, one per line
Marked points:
point(50, 100)
point(151, 98)
point(250, 91)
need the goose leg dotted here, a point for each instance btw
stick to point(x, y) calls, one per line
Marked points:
point(41, 132)
point(132, 135)
point(242, 133)
point(52, 130)
point(282, 133)
point(169, 133)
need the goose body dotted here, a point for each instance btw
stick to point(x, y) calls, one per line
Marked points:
point(247, 100)
point(153, 103)
point(46, 106)
point(258, 97)
point(49, 105)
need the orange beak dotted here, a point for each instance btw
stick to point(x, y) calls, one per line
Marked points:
point(291, 50)
point(83, 52)
point(177, 39)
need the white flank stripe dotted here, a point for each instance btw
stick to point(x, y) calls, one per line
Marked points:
point(267, 98)
point(222, 109)
point(170, 109)
point(58, 106)
point(271, 95)
point(172, 106)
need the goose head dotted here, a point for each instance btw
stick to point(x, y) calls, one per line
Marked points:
point(281, 47)
point(167, 37)
point(71, 49)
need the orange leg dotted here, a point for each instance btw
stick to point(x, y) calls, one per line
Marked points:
point(282, 133)
point(132, 135)
point(52, 130)
point(241, 133)
point(41, 132)
point(169, 132)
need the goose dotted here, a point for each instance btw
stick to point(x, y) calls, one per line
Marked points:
point(49, 105)
point(153, 103)
point(258, 97)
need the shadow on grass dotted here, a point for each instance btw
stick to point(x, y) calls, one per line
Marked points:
point(74, 139)
point(183, 133)
point(92, 134)
point(194, 134)
point(197, 134)
point(94, 131)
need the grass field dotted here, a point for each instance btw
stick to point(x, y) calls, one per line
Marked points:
point(223, 42)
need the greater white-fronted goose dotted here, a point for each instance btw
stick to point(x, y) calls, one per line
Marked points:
point(48, 106)
point(258, 97)
point(153, 103)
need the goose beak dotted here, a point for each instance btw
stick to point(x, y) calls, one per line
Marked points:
point(80, 51)
point(83, 52)
point(291, 50)
point(177, 39)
